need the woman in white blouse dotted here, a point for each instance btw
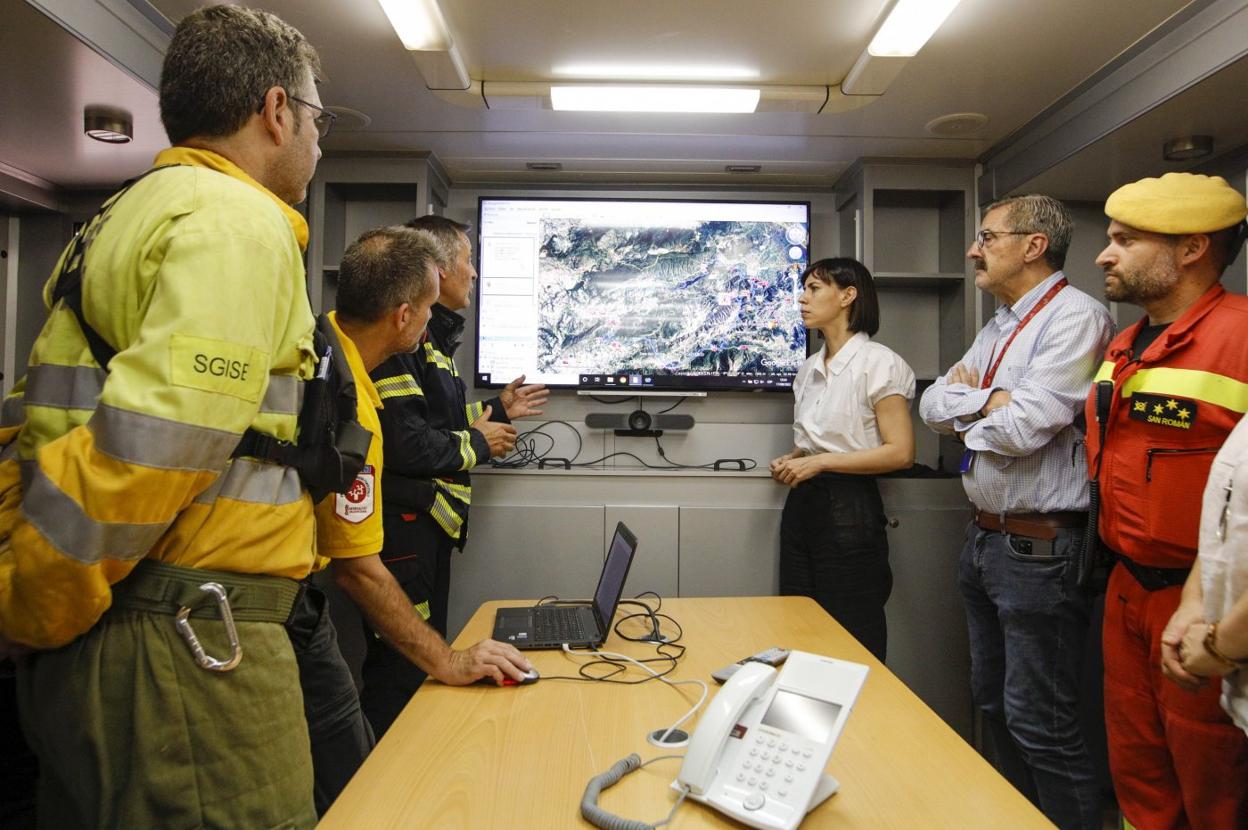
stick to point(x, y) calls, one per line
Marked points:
point(851, 422)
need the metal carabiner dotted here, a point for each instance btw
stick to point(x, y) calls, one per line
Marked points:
point(183, 623)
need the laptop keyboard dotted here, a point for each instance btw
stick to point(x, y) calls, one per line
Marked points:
point(559, 625)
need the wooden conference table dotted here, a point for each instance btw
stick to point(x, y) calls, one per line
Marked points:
point(483, 756)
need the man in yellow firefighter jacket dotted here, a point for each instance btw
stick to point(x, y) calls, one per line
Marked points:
point(120, 499)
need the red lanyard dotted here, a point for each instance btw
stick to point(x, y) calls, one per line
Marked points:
point(1049, 295)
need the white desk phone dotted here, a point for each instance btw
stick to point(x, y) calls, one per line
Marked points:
point(761, 747)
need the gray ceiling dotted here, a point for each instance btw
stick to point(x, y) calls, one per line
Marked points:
point(1009, 61)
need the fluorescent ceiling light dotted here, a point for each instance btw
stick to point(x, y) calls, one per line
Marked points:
point(418, 23)
point(657, 72)
point(908, 27)
point(613, 98)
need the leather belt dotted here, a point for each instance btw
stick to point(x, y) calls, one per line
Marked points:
point(1031, 525)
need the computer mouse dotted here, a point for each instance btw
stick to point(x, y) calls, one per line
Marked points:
point(531, 676)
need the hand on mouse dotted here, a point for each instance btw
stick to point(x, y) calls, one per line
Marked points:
point(487, 660)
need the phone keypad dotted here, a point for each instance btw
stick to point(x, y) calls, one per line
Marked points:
point(771, 769)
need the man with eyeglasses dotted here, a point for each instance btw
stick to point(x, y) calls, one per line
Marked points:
point(1175, 385)
point(145, 573)
point(1015, 401)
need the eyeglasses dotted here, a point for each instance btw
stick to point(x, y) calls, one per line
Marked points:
point(985, 236)
point(323, 120)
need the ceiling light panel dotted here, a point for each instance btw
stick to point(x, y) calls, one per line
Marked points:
point(655, 72)
point(418, 23)
point(653, 98)
point(909, 25)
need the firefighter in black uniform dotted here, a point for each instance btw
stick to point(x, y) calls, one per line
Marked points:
point(433, 437)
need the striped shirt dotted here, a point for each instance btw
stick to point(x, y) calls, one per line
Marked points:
point(1029, 454)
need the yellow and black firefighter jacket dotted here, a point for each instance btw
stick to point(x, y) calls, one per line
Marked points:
point(430, 446)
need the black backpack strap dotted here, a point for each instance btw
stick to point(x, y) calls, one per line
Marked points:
point(69, 288)
point(69, 282)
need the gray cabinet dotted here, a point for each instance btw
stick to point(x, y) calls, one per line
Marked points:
point(729, 552)
point(355, 193)
point(927, 640)
point(910, 224)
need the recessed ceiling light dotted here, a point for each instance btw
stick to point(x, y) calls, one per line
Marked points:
point(108, 124)
point(1188, 147)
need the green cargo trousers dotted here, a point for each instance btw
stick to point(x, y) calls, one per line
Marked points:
point(131, 732)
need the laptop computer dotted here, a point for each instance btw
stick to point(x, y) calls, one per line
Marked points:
point(551, 626)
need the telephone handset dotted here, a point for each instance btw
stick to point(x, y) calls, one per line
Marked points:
point(707, 744)
point(761, 747)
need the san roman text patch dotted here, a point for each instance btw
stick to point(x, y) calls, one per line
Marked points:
point(1163, 410)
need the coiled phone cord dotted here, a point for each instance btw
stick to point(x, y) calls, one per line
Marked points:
point(599, 817)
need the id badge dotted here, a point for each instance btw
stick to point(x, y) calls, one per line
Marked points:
point(968, 458)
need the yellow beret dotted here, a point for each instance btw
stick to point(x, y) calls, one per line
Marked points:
point(1177, 203)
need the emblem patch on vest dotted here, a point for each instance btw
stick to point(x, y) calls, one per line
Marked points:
point(1163, 410)
point(358, 503)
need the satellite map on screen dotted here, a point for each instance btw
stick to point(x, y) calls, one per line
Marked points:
point(717, 297)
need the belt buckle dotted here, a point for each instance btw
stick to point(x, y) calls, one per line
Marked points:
point(183, 622)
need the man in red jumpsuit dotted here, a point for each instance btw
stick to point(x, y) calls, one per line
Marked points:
point(1173, 385)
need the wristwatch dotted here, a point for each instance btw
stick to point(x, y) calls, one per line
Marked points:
point(1210, 643)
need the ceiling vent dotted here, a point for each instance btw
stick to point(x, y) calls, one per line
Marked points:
point(743, 168)
point(957, 125)
point(544, 165)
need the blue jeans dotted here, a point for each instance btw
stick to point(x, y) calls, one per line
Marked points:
point(1028, 624)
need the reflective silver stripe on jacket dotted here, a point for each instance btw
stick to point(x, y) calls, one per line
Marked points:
point(284, 395)
point(151, 441)
point(255, 482)
point(64, 387)
point(61, 521)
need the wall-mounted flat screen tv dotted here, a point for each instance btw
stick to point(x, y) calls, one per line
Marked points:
point(640, 293)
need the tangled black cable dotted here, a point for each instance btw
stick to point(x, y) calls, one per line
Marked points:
point(525, 452)
point(613, 666)
point(746, 463)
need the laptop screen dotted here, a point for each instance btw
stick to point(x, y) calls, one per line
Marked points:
point(614, 572)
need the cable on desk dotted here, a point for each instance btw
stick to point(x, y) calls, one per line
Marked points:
point(656, 634)
point(606, 669)
point(615, 657)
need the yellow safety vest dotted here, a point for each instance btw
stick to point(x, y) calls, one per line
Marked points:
point(195, 276)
